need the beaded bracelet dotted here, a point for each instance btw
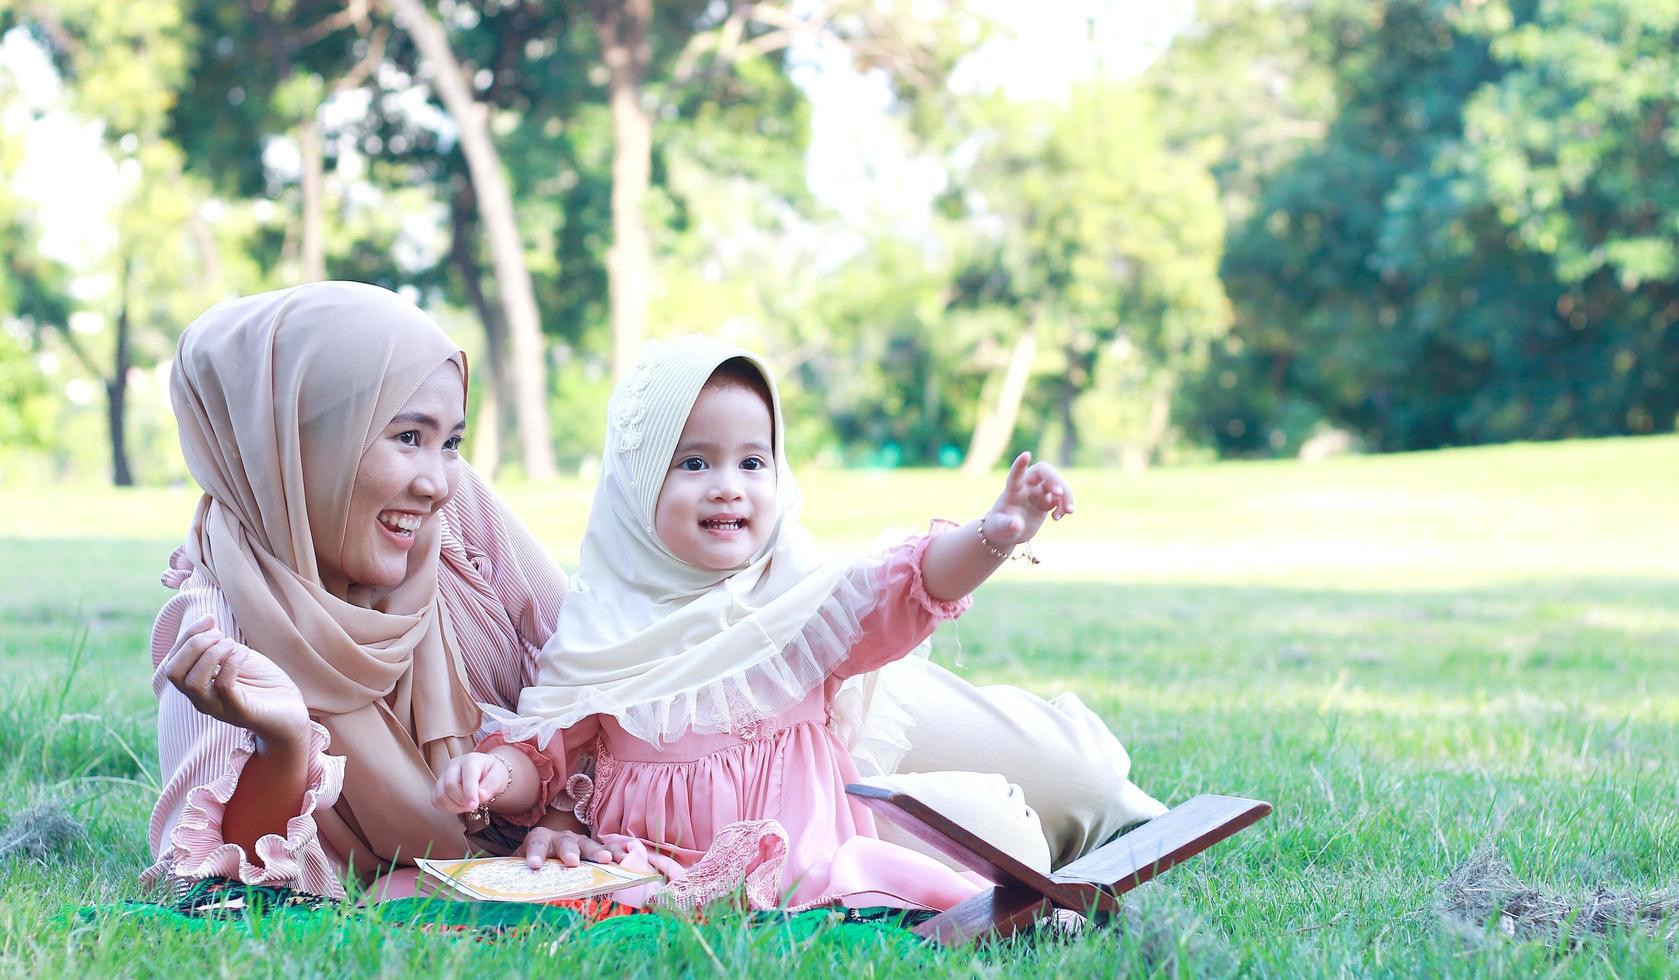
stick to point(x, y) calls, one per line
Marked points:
point(1009, 555)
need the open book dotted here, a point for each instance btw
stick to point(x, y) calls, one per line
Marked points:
point(509, 879)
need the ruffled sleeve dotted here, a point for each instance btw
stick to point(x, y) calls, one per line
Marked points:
point(202, 759)
point(549, 777)
point(904, 614)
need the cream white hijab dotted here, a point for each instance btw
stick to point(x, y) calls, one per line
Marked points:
point(277, 397)
point(666, 647)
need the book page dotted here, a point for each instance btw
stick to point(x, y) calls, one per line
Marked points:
point(511, 880)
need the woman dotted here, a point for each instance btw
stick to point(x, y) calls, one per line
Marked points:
point(349, 587)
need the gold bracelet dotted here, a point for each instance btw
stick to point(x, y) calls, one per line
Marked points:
point(483, 811)
point(1008, 556)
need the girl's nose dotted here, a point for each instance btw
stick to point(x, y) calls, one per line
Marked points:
point(726, 490)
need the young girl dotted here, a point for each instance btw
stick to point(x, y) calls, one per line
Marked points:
point(698, 655)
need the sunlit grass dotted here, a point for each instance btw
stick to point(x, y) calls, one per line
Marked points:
point(1414, 657)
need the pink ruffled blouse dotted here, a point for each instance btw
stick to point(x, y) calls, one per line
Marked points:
point(485, 550)
point(763, 808)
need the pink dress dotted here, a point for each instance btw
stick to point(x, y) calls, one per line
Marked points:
point(763, 808)
point(486, 552)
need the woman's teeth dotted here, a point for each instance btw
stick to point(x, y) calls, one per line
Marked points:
point(401, 523)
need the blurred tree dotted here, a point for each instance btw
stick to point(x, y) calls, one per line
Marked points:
point(495, 206)
point(34, 292)
point(1481, 245)
point(1550, 223)
point(1102, 244)
point(150, 280)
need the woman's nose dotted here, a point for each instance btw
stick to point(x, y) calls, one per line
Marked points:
point(431, 481)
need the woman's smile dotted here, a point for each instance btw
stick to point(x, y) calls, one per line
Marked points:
point(399, 526)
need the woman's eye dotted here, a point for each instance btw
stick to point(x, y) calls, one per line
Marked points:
point(692, 464)
point(453, 443)
point(409, 438)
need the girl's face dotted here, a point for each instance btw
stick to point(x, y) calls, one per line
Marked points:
point(403, 479)
point(717, 506)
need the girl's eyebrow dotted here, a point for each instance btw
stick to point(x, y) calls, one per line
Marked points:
point(702, 446)
point(421, 418)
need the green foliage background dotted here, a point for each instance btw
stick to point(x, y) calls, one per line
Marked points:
point(1405, 223)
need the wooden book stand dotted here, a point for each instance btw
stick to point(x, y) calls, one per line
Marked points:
point(1091, 885)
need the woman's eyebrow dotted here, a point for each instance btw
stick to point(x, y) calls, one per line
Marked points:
point(421, 418)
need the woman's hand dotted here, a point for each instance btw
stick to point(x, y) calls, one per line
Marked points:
point(1031, 493)
point(470, 781)
point(561, 836)
point(232, 683)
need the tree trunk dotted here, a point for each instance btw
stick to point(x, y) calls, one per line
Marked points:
point(116, 391)
point(622, 27)
point(529, 363)
point(312, 251)
point(1080, 367)
point(491, 423)
point(996, 424)
point(1136, 459)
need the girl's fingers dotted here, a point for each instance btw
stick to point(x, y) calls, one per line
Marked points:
point(457, 787)
point(536, 848)
point(567, 851)
point(1017, 472)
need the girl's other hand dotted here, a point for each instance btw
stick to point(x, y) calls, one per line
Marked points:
point(569, 846)
point(1031, 492)
point(469, 781)
point(233, 683)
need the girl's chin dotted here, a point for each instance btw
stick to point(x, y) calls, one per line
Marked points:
point(719, 560)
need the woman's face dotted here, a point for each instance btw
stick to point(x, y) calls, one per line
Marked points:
point(401, 483)
point(717, 506)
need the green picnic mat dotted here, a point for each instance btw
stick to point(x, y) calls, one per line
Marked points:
point(216, 904)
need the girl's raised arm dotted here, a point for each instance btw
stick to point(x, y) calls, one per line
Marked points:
point(959, 560)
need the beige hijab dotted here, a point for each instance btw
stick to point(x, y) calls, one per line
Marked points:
point(666, 647)
point(277, 397)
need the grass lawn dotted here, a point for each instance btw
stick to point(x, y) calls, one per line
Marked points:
point(1419, 659)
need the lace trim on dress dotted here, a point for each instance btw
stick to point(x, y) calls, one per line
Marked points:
point(866, 713)
point(739, 701)
point(196, 848)
point(748, 857)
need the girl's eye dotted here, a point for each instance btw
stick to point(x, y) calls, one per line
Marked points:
point(753, 463)
point(692, 464)
point(453, 443)
point(409, 438)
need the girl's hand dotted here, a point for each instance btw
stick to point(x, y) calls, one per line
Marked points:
point(232, 683)
point(1032, 492)
point(568, 846)
point(469, 781)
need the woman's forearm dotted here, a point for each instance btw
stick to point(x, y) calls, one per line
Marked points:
point(270, 791)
